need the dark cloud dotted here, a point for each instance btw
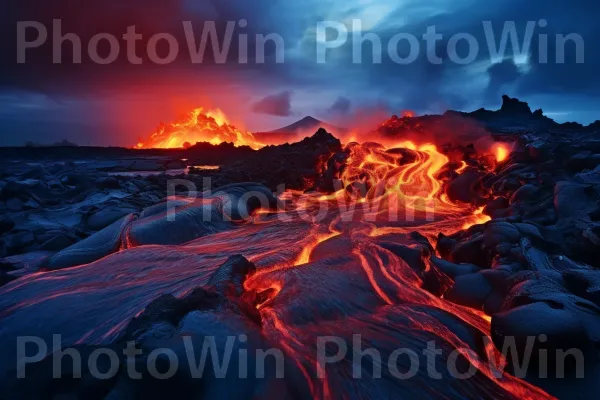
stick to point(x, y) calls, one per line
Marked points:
point(341, 106)
point(420, 86)
point(501, 74)
point(279, 105)
point(113, 17)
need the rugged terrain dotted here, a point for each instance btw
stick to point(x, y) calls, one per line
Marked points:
point(402, 243)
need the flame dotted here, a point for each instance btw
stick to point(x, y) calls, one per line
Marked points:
point(501, 151)
point(199, 126)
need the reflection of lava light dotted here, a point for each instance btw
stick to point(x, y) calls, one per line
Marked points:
point(199, 126)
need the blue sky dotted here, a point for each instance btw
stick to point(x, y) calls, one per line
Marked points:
point(117, 103)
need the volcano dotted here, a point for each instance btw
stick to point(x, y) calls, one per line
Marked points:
point(308, 124)
point(298, 130)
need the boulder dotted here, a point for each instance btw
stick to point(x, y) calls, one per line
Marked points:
point(562, 329)
point(14, 189)
point(454, 270)
point(18, 242)
point(99, 245)
point(500, 232)
point(57, 243)
point(471, 251)
point(461, 188)
point(573, 199)
point(499, 203)
point(6, 224)
point(107, 215)
point(470, 290)
point(229, 278)
point(584, 283)
point(525, 194)
point(5, 278)
point(107, 183)
point(15, 204)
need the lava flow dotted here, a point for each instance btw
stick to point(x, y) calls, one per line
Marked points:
point(347, 248)
point(354, 262)
point(199, 126)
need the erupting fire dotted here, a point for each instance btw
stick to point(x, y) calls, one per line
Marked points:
point(501, 151)
point(199, 126)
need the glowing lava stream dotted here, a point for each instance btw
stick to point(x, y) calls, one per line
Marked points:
point(384, 184)
point(386, 191)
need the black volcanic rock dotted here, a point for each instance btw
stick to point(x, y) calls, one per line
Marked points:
point(515, 106)
point(297, 166)
point(209, 154)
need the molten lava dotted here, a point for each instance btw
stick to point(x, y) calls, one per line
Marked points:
point(341, 250)
point(501, 151)
point(199, 126)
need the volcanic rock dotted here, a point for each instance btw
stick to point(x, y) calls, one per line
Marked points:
point(14, 189)
point(18, 242)
point(107, 215)
point(58, 242)
point(470, 290)
point(573, 199)
point(499, 232)
point(526, 193)
point(5, 278)
point(461, 188)
point(6, 225)
point(229, 278)
point(107, 183)
point(101, 244)
point(15, 204)
point(471, 252)
point(298, 166)
point(562, 329)
point(454, 270)
point(496, 206)
point(445, 245)
point(584, 283)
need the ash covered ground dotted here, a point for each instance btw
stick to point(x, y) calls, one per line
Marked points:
point(398, 241)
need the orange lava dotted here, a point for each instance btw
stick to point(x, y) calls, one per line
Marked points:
point(501, 151)
point(389, 189)
point(199, 126)
point(480, 218)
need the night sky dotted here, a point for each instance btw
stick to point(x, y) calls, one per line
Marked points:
point(114, 104)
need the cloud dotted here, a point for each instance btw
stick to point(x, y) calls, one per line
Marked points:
point(501, 74)
point(420, 86)
point(341, 106)
point(279, 105)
